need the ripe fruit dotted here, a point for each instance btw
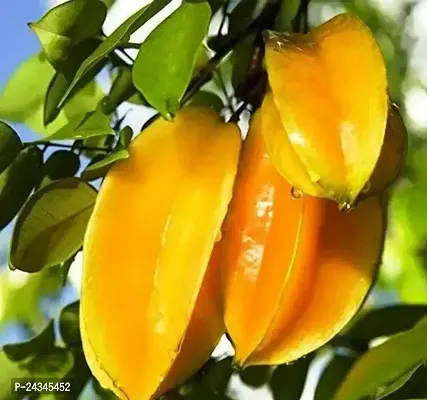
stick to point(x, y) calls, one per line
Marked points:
point(330, 91)
point(147, 321)
point(387, 168)
point(296, 269)
point(392, 157)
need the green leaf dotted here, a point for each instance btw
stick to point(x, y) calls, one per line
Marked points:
point(69, 324)
point(22, 302)
point(243, 14)
point(255, 376)
point(41, 343)
point(288, 380)
point(23, 97)
point(216, 5)
point(23, 94)
point(125, 137)
point(204, 98)
point(288, 11)
point(55, 47)
point(202, 58)
point(224, 70)
point(414, 388)
point(76, 19)
point(75, 110)
point(240, 59)
point(100, 168)
point(218, 375)
point(166, 59)
point(97, 146)
point(380, 368)
point(396, 385)
point(63, 78)
point(387, 321)
point(332, 376)
point(51, 226)
point(78, 376)
point(66, 25)
point(60, 164)
point(122, 90)
point(94, 123)
point(55, 364)
point(9, 370)
point(85, 99)
point(17, 182)
point(118, 37)
point(10, 146)
point(65, 268)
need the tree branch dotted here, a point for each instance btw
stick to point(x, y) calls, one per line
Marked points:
point(263, 21)
point(300, 22)
point(66, 146)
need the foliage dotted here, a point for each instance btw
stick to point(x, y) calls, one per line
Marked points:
point(48, 196)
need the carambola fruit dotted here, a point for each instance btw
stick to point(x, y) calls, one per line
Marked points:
point(393, 155)
point(389, 163)
point(295, 268)
point(150, 311)
point(330, 90)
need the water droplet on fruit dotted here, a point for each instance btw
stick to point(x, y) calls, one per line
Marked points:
point(296, 193)
point(367, 187)
point(218, 236)
point(345, 207)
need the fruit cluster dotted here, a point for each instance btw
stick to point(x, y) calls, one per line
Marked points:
point(275, 240)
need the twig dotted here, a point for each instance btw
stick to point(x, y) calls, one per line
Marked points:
point(66, 146)
point(130, 45)
point(253, 96)
point(76, 146)
point(123, 53)
point(236, 115)
point(224, 18)
point(224, 90)
point(264, 20)
point(44, 148)
point(300, 22)
point(358, 345)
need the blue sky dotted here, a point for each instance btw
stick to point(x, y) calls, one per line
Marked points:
point(17, 41)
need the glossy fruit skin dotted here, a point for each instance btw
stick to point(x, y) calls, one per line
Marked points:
point(295, 268)
point(329, 88)
point(387, 168)
point(150, 316)
point(392, 158)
